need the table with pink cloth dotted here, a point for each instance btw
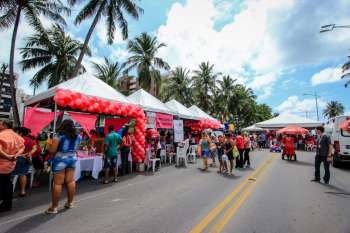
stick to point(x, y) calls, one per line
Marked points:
point(88, 162)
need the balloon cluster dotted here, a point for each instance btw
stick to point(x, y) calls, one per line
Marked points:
point(202, 124)
point(209, 124)
point(84, 103)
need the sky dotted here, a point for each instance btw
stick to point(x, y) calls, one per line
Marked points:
point(272, 46)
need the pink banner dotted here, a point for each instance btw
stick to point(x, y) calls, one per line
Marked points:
point(164, 121)
point(118, 123)
point(37, 119)
point(86, 121)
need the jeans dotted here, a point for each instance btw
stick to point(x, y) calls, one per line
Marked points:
point(318, 161)
point(239, 159)
point(6, 191)
point(125, 162)
point(246, 157)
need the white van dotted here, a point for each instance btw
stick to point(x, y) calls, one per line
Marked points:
point(340, 140)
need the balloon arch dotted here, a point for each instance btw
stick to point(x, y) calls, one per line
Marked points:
point(90, 104)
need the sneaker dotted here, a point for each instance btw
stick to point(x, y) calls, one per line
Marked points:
point(326, 182)
point(51, 210)
point(69, 205)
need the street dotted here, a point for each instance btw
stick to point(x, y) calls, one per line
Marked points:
point(274, 196)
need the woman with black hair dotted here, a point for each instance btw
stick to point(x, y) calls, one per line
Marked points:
point(63, 164)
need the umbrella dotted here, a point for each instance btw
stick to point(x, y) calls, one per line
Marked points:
point(292, 129)
point(345, 125)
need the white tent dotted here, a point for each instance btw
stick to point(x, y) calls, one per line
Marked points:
point(180, 110)
point(86, 84)
point(148, 102)
point(284, 120)
point(253, 128)
point(200, 113)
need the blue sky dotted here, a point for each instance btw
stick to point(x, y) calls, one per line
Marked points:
point(272, 46)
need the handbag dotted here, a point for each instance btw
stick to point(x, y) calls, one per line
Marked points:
point(235, 152)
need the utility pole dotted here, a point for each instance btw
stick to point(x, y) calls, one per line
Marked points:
point(316, 102)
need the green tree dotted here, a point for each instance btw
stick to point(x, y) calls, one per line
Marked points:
point(109, 72)
point(333, 109)
point(143, 58)
point(55, 52)
point(225, 92)
point(113, 11)
point(11, 12)
point(177, 86)
point(204, 81)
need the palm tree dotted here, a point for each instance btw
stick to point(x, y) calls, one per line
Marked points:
point(333, 109)
point(113, 11)
point(204, 81)
point(143, 50)
point(11, 11)
point(55, 52)
point(177, 86)
point(109, 72)
point(226, 86)
point(346, 71)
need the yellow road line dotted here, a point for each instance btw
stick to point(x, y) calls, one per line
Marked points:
point(217, 228)
point(217, 210)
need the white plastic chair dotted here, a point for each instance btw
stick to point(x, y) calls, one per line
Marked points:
point(152, 161)
point(192, 154)
point(181, 154)
point(163, 156)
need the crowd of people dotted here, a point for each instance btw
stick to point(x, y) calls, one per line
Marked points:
point(57, 153)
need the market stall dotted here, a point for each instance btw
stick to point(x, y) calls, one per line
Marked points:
point(284, 120)
point(88, 94)
point(207, 121)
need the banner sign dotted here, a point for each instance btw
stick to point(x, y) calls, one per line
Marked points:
point(164, 121)
point(178, 131)
point(151, 120)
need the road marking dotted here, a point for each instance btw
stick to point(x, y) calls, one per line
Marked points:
point(116, 200)
point(218, 209)
point(217, 228)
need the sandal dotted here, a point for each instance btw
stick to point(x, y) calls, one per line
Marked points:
point(106, 182)
point(51, 210)
point(69, 205)
point(115, 180)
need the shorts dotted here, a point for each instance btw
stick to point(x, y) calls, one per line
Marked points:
point(62, 162)
point(205, 153)
point(230, 156)
point(110, 163)
point(22, 167)
point(38, 163)
point(224, 157)
point(220, 153)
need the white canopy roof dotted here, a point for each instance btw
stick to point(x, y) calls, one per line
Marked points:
point(200, 113)
point(148, 102)
point(86, 84)
point(253, 128)
point(180, 110)
point(284, 120)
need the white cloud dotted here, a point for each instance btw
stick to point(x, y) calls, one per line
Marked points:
point(264, 84)
point(101, 35)
point(328, 75)
point(265, 36)
point(300, 106)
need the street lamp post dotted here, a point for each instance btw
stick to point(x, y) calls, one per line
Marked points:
point(316, 102)
point(331, 27)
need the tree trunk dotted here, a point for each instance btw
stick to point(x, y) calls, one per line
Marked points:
point(87, 39)
point(3, 77)
point(16, 120)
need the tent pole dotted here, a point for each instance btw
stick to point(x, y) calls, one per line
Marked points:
point(55, 120)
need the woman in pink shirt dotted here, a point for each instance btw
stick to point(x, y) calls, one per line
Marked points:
point(11, 146)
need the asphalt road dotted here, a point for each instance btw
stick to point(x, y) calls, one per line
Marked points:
point(273, 196)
